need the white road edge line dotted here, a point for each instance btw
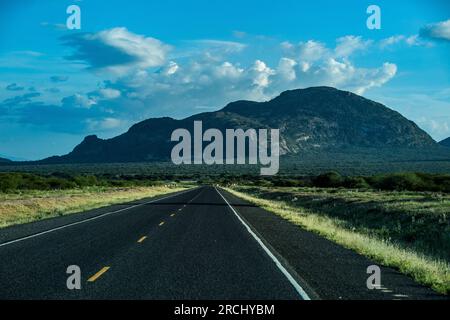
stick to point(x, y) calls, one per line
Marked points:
point(290, 278)
point(89, 219)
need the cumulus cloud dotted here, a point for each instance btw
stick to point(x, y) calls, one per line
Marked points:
point(412, 40)
point(286, 69)
point(437, 31)
point(146, 81)
point(312, 63)
point(261, 74)
point(117, 50)
point(311, 50)
point(348, 45)
point(109, 93)
point(391, 41)
point(78, 101)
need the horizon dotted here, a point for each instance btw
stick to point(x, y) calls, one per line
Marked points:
point(199, 113)
point(56, 87)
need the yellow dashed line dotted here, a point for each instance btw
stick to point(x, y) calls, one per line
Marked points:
point(172, 215)
point(142, 239)
point(98, 274)
point(161, 223)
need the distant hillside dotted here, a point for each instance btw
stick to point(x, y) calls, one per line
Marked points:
point(310, 120)
point(3, 160)
point(445, 142)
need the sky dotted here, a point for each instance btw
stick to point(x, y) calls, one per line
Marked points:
point(137, 59)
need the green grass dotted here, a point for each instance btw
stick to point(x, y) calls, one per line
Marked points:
point(32, 205)
point(396, 229)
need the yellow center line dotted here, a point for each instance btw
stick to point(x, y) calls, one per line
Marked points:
point(98, 274)
point(172, 215)
point(142, 239)
point(161, 223)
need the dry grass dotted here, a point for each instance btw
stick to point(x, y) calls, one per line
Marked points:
point(426, 270)
point(30, 206)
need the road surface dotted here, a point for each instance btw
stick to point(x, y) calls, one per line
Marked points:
point(199, 244)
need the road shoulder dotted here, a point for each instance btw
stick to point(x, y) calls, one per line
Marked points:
point(333, 271)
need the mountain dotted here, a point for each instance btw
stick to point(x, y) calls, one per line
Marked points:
point(318, 118)
point(445, 142)
point(3, 160)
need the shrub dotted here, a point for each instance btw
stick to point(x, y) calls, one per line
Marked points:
point(328, 180)
point(356, 183)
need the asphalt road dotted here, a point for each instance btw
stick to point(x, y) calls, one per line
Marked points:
point(198, 244)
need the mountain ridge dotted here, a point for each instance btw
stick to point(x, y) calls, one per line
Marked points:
point(311, 119)
point(4, 160)
point(445, 142)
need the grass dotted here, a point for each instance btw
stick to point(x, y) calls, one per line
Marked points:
point(28, 206)
point(338, 216)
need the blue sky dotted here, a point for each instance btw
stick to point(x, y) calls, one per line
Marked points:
point(133, 60)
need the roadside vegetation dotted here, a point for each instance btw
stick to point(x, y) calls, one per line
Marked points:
point(400, 220)
point(28, 197)
point(16, 181)
point(404, 181)
point(406, 230)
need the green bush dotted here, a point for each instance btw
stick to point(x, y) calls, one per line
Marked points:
point(329, 180)
point(356, 183)
point(400, 181)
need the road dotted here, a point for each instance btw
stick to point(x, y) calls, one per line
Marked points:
point(199, 244)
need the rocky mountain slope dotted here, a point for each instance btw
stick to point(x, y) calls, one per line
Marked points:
point(318, 118)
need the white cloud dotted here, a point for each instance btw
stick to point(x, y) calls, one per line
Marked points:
point(437, 31)
point(312, 63)
point(348, 45)
point(312, 50)
point(104, 124)
point(109, 93)
point(412, 41)
point(391, 40)
point(117, 50)
point(286, 69)
point(78, 101)
point(170, 69)
point(147, 82)
point(227, 70)
point(261, 73)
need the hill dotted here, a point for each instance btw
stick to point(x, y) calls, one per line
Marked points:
point(310, 120)
point(445, 142)
point(3, 160)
